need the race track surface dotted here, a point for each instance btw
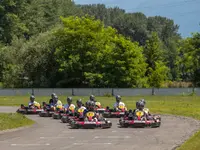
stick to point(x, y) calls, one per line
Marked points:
point(49, 134)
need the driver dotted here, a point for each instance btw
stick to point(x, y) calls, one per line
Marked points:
point(118, 102)
point(79, 106)
point(69, 104)
point(57, 102)
point(140, 107)
point(91, 109)
point(33, 103)
point(52, 97)
point(146, 110)
point(92, 98)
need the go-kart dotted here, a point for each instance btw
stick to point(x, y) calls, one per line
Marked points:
point(90, 122)
point(140, 120)
point(115, 113)
point(78, 116)
point(48, 110)
point(99, 108)
point(70, 113)
point(29, 110)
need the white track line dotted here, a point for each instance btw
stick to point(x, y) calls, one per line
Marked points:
point(80, 131)
point(92, 143)
point(112, 137)
point(57, 137)
point(23, 145)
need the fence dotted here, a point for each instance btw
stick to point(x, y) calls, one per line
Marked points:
point(97, 91)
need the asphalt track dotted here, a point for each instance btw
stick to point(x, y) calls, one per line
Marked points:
point(49, 134)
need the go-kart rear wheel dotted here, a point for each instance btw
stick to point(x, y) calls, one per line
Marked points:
point(74, 125)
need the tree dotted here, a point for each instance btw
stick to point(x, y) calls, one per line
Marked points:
point(190, 50)
point(10, 22)
point(156, 70)
point(93, 55)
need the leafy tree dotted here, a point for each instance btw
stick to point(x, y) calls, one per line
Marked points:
point(190, 61)
point(10, 22)
point(156, 70)
point(92, 55)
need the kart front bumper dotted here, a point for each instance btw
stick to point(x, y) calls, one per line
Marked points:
point(91, 125)
point(140, 124)
point(29, 111)
point(100, 110)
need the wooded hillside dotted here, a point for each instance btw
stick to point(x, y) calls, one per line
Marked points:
point(48, 43)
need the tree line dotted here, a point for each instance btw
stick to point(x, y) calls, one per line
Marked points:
point(48, 43)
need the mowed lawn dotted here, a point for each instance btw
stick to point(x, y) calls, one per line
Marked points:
point(176, 105)
point(13, 120)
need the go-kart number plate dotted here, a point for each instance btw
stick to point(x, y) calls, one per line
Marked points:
point(121, 106)
point(90, 114)
point(89, 122)
point(97, 103)
point(139, 113)
point(138, 121)
point(71, 108)
point(80, 110)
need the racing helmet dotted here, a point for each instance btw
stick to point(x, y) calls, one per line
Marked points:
point(118, 98)
point(79, 102)
point(32, 98)
point(55, 98)
point(142, 100)
point(69, 100)
point(91, 105)
point(137, 105)
point(87, 104)
point(92, 97)
point(141, 105)
point(53, 95)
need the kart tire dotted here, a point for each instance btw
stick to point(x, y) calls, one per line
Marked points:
point(56, 116)
point(64, 119)
point(74, 125)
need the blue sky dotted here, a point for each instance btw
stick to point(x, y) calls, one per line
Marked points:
point(185, 13)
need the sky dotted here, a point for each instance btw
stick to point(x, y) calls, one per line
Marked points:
point(185, 13)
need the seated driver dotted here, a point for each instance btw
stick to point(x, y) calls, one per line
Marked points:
point(119, 103)
point(80, 108)
point(58, 103)
point(145, 109)
point(90, 113)
point(92, 98)
point(69, 104)
point(140, 107)
point(33, 103)
point(80, 104)
point(51, 102)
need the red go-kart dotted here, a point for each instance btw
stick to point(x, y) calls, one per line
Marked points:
point(70, 113)
point(29, 110)
point(140, 120)
point(48, 110)
point(91, 122)
point(115, 113)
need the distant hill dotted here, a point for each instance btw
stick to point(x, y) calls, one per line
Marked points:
point(185, 13)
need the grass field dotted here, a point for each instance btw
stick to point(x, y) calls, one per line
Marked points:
point(13, 120)
point(176, 105)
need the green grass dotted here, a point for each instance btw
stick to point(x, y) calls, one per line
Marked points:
point(13, 120)
point(177, 105)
